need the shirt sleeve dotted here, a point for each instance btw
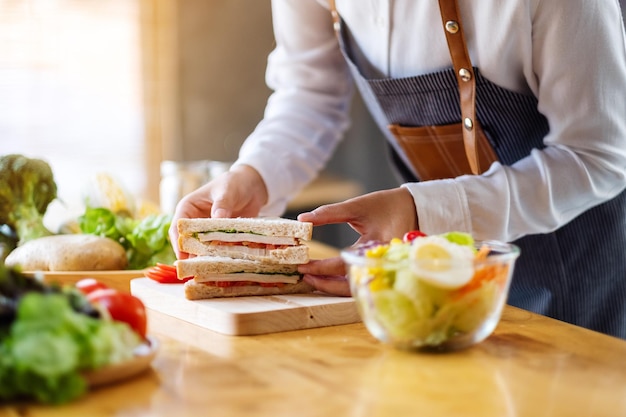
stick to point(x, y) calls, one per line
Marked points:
point(307, 113)
point(578, 74)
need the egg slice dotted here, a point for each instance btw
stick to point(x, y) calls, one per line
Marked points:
point(442, 263)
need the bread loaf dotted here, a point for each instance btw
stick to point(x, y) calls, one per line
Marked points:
point(71, 252)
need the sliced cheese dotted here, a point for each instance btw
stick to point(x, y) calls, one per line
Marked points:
point(246, 276)
point(246, 237)
point(225, 249)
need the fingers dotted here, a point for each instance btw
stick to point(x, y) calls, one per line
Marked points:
point(380, 215)
point(239, 192)
point(330, 266)
point(335, 285)
point(173, 235)
point(344, 212)
point(326, 275)
point(219, 212)
point(194, 205)
point(224, 198)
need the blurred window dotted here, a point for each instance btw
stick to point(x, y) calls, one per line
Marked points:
point(71, 89)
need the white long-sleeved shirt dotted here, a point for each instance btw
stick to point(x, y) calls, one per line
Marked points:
point(571, 54)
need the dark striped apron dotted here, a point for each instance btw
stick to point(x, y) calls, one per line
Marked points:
point(576, 274)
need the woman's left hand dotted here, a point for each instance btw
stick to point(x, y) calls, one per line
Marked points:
point(381, 215)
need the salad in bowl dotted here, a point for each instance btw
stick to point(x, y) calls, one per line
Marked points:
point(438, 292)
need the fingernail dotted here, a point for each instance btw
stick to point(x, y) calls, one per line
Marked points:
point(220, 212)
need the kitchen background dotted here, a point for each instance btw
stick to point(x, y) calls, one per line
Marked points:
point(117, 86)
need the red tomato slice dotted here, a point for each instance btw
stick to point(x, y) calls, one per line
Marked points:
point(155, 272)
point(164, 274)
point(166, 267)
point(123, 307)
point(89, 285)
point(271, 284)
point(158, 277)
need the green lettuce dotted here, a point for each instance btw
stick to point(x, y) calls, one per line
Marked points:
point(460, 238)
point(145, 240)
point(49, 344)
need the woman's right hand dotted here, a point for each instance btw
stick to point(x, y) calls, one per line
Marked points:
point(239, 192)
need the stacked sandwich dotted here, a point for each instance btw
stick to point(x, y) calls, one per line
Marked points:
point(242, 256)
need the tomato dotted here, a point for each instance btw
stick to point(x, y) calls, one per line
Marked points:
point(160, 276)
point(166, 267)
point(412, 235)
point(89, 285)
point(164, 274)
point(122, 306)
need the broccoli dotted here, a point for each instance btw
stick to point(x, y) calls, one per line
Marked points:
point(26, 189)
point(8, 241)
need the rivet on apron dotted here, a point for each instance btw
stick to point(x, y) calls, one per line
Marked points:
point(465, 74)
point(467, 122)
point(336, 24)
point(452, 26)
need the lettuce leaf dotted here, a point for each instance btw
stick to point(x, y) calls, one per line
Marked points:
point(49, 345)
point(146, 240)
point(460, 238)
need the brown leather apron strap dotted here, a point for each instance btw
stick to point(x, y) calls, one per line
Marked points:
point(334, 15)
point(453, 28)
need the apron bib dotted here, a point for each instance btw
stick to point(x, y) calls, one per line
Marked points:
point(575, 274)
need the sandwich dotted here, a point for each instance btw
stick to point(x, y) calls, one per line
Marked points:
point(216, 277)
point(264, 239)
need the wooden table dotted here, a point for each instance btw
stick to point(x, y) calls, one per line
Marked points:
point(531, 366)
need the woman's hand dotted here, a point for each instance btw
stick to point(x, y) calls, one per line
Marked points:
point(240, 192)
point(381, 215)
point(327, 275)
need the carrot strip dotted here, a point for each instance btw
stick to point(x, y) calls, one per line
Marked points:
point(482, 253)
point(496, 272)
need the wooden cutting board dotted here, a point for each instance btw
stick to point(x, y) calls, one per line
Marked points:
point(247, 315)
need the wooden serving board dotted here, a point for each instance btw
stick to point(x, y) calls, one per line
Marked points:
point(242, 316)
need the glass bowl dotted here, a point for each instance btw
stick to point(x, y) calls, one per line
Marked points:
point(402, 308)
